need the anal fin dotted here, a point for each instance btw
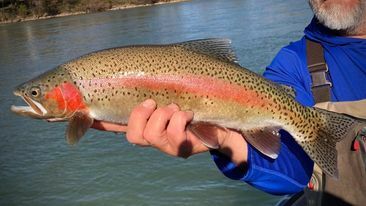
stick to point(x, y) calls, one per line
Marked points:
point(79, 123)
point(266, 140)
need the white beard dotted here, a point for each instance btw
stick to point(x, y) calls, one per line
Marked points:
point(338, 16)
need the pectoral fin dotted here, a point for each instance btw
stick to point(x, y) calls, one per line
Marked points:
point(208, 133)
point(79, 123)
point(266, 140)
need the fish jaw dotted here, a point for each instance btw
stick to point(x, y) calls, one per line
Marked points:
point(33, 110)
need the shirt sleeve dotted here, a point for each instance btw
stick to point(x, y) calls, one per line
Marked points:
point(289, 68)
point(291, 171)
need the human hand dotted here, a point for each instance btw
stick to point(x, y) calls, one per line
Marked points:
point(163, 128)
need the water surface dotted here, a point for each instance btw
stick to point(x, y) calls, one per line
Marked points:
point(37, 167)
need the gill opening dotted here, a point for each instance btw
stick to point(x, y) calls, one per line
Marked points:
point(66, 105)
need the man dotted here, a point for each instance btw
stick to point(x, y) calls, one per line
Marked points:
point(340, 27)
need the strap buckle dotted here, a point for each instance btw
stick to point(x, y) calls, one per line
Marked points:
point(319, 75)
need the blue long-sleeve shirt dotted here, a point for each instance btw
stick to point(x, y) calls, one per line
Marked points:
point(291, 171)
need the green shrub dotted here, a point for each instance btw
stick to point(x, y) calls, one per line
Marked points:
point(22, 10)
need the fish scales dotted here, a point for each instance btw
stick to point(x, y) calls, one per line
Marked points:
point(177, 61)
point(173, 61)
point(200, 76)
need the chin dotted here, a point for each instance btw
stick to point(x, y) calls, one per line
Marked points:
point(339, 14)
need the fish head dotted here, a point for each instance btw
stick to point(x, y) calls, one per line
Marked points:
point(52, 96)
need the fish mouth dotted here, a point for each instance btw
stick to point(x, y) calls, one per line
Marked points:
point(34, 108)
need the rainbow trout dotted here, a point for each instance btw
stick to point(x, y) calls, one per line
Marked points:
point(201, 76)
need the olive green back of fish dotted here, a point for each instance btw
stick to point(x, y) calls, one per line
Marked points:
point(175, 60)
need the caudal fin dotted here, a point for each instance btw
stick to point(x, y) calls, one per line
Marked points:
point(321, 145)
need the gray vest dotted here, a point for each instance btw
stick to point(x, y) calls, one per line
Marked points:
point(350, 187)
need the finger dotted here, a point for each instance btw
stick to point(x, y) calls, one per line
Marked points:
point(137, 122)
point(157, 124)
point(197, 145)
point(107, 126)
point(177, 135)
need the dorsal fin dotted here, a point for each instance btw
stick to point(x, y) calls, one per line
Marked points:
point(215, 47)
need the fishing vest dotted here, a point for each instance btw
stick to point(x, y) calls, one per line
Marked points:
point(350, 187)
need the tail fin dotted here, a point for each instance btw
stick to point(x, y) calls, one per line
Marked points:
point(332, 128)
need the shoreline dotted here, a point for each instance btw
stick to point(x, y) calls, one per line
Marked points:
point(64, 14)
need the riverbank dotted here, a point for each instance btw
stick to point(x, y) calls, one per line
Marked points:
point(86, 11)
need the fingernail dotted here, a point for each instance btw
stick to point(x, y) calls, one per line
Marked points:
point(148, 103)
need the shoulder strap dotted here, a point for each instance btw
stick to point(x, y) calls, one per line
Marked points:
point(319, 71)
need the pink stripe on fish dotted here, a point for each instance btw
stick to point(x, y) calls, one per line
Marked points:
point(196, 85)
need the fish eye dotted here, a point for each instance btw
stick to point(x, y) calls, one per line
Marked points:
point(35, 91)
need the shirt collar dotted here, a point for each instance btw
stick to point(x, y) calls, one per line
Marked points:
point(317, 32)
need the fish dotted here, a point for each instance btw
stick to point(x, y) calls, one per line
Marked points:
point(203, 76)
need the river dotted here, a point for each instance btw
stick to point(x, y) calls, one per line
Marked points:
point(37, 167)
